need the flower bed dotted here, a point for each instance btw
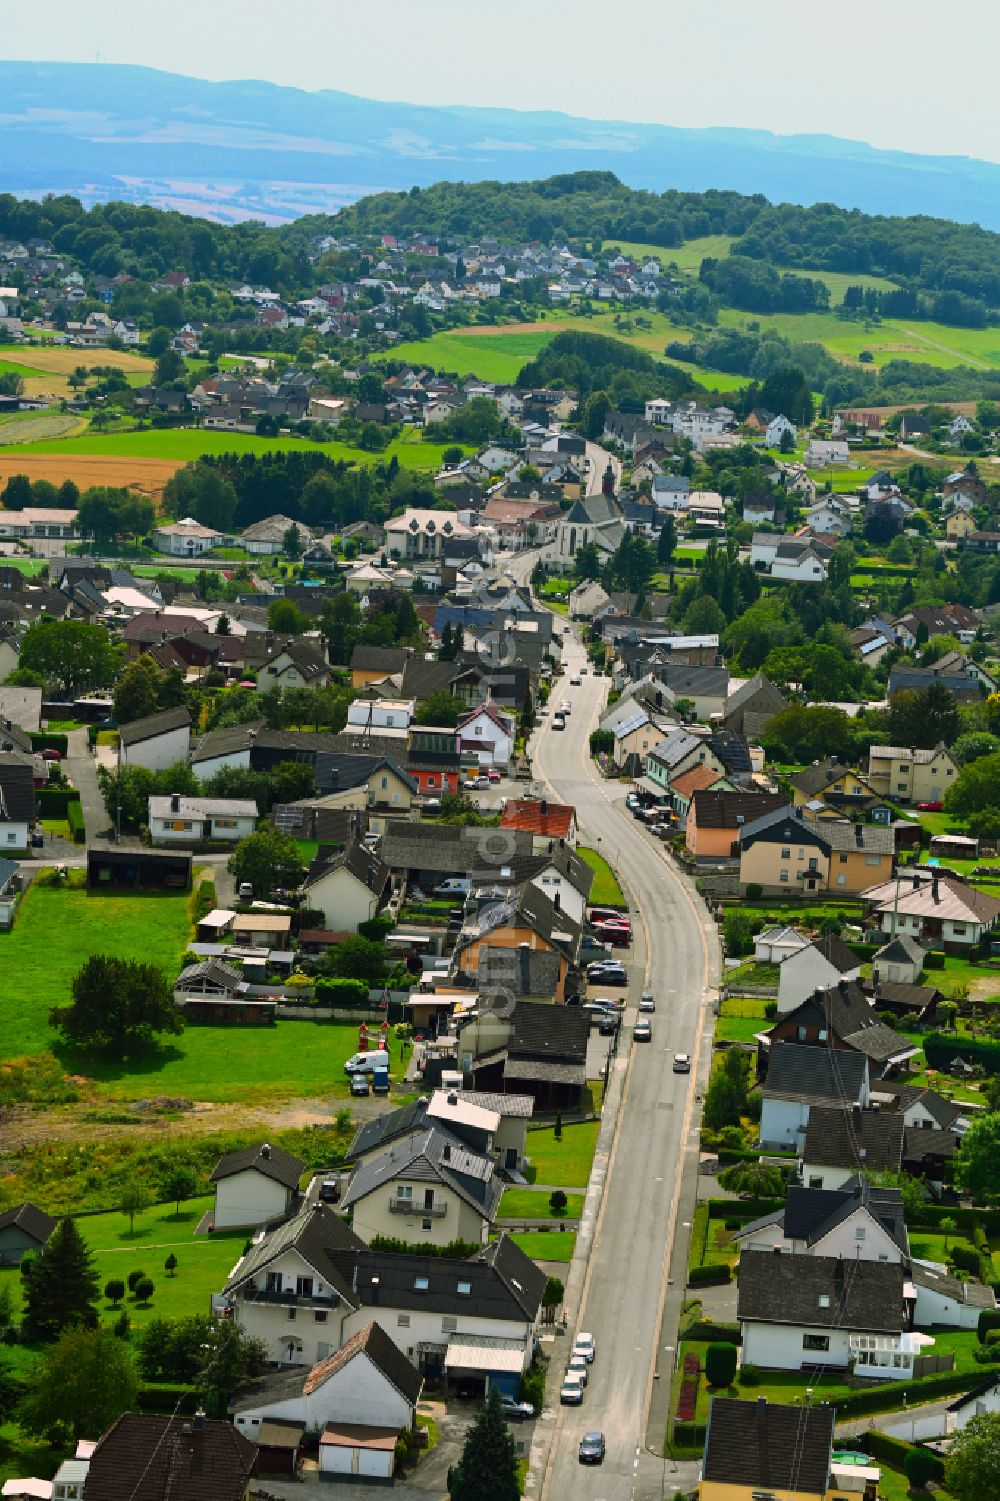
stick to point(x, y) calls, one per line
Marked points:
point(687, 1400)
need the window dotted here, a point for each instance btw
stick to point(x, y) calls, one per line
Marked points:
point(822, 1035)
point(225, 823)
point(873, 859)
point(449, 1324)
point(842, 859)
point(815, 1342)
point(816, 1182)
point(786, 854)
point(421, 1284)
point(958, 927)
point(842, 880)
point(802, 1034)
point(320, 1316)
point(784, 875)
point(479, 729)
point(304, 1287)
point(465, 1288)
point(403, 1321)
point(859, 1233)
point(426, 1225)
point(404, 1191)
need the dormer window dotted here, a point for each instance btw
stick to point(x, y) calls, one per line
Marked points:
point(465, 1288)
point(421, 1284)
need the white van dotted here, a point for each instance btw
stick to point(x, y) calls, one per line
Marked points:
point(454, 886)
point(367, 1063)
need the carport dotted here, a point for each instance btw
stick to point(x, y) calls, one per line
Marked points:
point(484, 1357)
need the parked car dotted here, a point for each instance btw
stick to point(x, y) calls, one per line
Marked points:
point(608, 914)
point(481, 781)
point(432, 804)
point(580, 1366)
point(647, 1001)
point(359, 1084)
point(682, 1063)
point(585, 1345)
point(607, 969)
point(592, 1449)
point(608, 1025)
point(642, 1032)
point(329, 1189)
point(571, 1391)
point(245, 892)
point(453, 886)
point(618, 936)
point(51, 755)
point(493, 776)
point(929, 807)
point(516, 1412)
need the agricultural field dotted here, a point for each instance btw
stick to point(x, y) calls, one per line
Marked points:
point(45, 369)
point(32, 427)
point(491, 353)
point(132, 471)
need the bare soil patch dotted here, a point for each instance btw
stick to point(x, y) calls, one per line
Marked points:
point(148, 476)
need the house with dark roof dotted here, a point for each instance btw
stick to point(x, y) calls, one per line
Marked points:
point(833, 783)
point(844, 1138)
point(899, 962)
point(825, 1311)
point(839, 1016)
point(750, 707)
point(349, 886)
point(760, 1448)
point(788, 851)
point(372, 664)
point(951, 1302)
point(800, 1078)
point(425, 853)
point(157, 740)
point(149, 1456)
point(715, 818)
point(826, 1222)
point(23, 1228)
point(368, 1382)
point(255, 1186)
point(814, 966)
point(536, 1049)
point(17, 800)
point(525, 915)
point(297, 663)
point(428, 1187)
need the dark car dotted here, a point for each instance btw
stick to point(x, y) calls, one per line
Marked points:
point(329, 1190)
point(592, 1449)
point(608, 1026)
point(359, 1084)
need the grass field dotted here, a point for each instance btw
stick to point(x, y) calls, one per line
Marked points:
point(490, 355)
point(184, 445)
point(740, 1020)
point(31, 427)
point(565, 1163)
point(533, 1204)
point(57, 930)
point(689, 256)
point(605, 892)
point(547, 1245)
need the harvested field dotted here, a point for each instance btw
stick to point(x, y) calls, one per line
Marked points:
point(148, 476)
point(33, 426)
point(59, 360)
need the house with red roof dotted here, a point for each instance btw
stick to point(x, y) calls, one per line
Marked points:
point(543, 820)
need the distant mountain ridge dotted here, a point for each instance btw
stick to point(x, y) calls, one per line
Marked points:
point(230, 151)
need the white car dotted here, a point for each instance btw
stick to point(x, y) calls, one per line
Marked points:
point(574, 681)
point(682, 1063)
point(647, 1001)
point(578, 1367)
point(571, 1391)
point(584, 1345)
point(642, 1032)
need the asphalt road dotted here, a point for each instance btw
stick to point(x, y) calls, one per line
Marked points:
point(622, 1302)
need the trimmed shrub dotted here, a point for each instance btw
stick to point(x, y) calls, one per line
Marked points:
point(689, 1435)
point(934, 960)
point(45, 740)
point(707, 1331)
point(720, 1364)
point(748, 1375)
point(919, 1466)
point(74, 817)
point(345, 993)
point(53, 802)
point(989, 1321)
point(706, 1276)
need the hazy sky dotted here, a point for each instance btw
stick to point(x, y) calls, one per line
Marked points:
point(893, 72)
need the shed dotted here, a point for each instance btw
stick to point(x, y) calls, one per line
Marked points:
point(954, 847)
point(217, 922)
point(150, 868)
point(358, 1451)
point(278, 1443)
point(268, 930)
point(23, 1228)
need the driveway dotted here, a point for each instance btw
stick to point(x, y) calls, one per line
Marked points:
point(81, 769)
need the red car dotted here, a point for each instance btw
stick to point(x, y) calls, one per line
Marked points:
point(51, 755)
point(608, 914)
point(613, 933)
point(929, 807)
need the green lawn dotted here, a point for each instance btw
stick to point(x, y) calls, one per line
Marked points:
point(187, 444)
point(58, 929)
point(491, 356)
point(547, 1245)
point(565, 1163)
point(752, 973)
point(533, 1204)
point(740, 1021)
point(605, 892)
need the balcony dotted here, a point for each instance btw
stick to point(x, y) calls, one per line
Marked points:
point(253, 1294)
point(400, 1205)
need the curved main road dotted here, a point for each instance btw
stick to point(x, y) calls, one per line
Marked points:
point(653, 1155)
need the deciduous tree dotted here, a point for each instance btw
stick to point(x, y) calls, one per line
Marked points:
point(79, 1387)
point(119, 1006)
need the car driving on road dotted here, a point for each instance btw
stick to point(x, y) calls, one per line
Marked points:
point(682, 1063)
point(647, 1001)
point(642, 1032)
point(592, 1449)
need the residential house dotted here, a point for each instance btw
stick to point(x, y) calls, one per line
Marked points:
point(779, 428)
point(750, 707)
point(267, 538)
point(983, 1398)
point(156, 741)
point(817, 1311)
point(959, 525)
point(958, 676)
point(636, 736)
point(429, 1187)
point(255, 1185)
point(839, 1016)
point(365, 1391)
point(490, 732)
point(588, 600)
point(827, 1222)
point(814, 966)
point(496, 1123)
point(179, 819)
point(683, 788)
point(900, 961)
point(843, 1138)
point(426, 853)
point(707, 688)
point(823, 454)
point(802, 1077)
point(373, 664)
point(940, 911)
point(17, 801)
point(786, 850)
point(774, 945)
point(677, 752)
point(146, 1456)
point(834, 783)
point(938, 620)
point(948, 1301)
point(349, 886)
point(527, 915)
point(186, 539)
point(829, 514)
point(298, 663)
point(715, 818)
point(540, 1050)
point(24, 1228)
point(761, 1448)
point(908, 775)
point(545, 821)
point(423, 533)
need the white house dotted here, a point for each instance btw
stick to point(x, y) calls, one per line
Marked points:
point(774, 945)
point(842, 1139)
point(156, 741)
point(800, 1077)
point(806, 1311)
point(178, 819)
point(856, 1222)
point(776, 430)
point(811, 967)
point(298, 663)
point(368, 1383)
point(348, 887)
point(943, 1299)
point(255, 1186)
point(423, 533)
point(379, 715)
point(267, 538)
point(489, 731)
point(821, 453)
point(428, 1186)
point(829, 514)
point(185, 539)
point(983, 1398)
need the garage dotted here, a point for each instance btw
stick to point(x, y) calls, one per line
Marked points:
point(351, 1451)
point(278, 1444)
point(497, 1362)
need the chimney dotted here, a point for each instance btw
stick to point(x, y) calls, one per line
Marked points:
point(198, 1424)
point(453, 1098)
point(265, 1151)
point(934, 888)
point(856, 1112)
point(557, 901)
point(544, 807)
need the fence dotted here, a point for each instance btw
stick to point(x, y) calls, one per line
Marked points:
point(931, 1365)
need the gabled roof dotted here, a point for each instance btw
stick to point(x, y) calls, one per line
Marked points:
point(901, 950)
point(378, 1132)
point(152, 725)
point(694, 780)
point(544, 1031)
point(432, 1156)
point(388, 659)
point(316, 1234)
point(833, 949)
point(967, 1294)
point(500, 1282)
point(749, 690)
point(814, 1075)
point(729, 810)
point(270, 1162)
point(381, 1351)
point(150, 1457)
point(868, 1140)
point(364, 864)
point(822, 774)
point(550, 820)
point(822, 1292)
point(811, 1213)
point(768, 1446)
point(29, 1218)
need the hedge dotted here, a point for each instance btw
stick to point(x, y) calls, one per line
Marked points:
point(74, 817)
point(752, 1209)
point(53, 802)
point(887, 1395)
point(707, 1329)
point(689, 1435)
point(727, 1155)
point(941, 1047)
point(934, 960)
point(706, 1276)
point(338, 992)
point(894, 1451)
point(43, 740)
